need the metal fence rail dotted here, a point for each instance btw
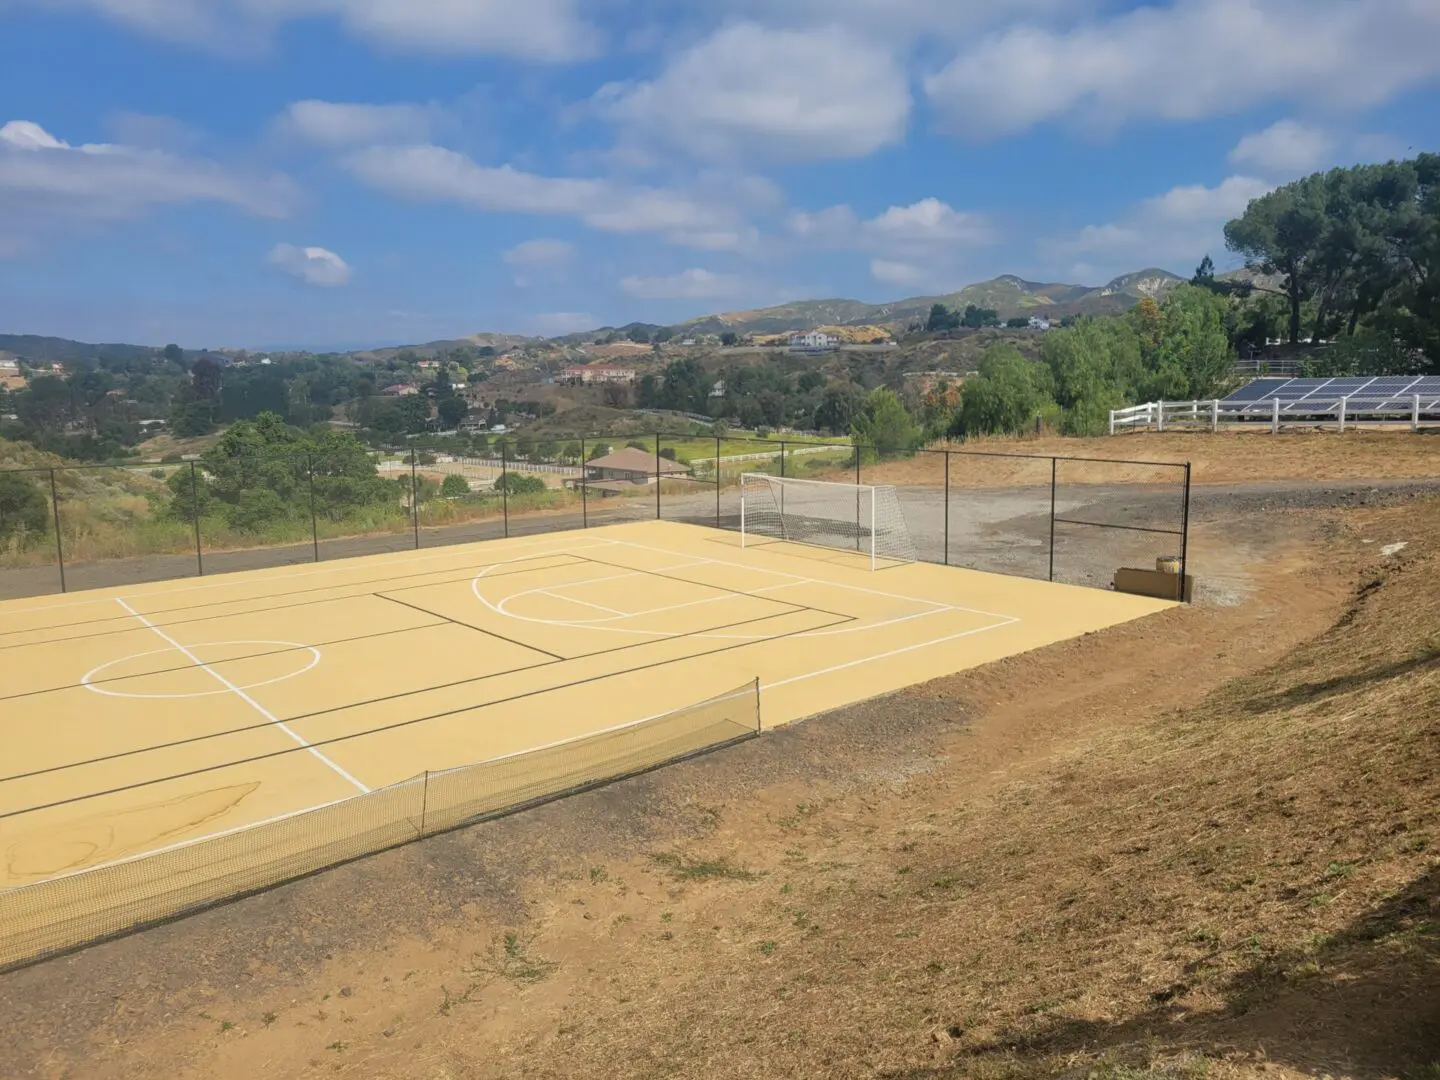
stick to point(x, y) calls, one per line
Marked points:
point(1059, 518)
point(1409, 410)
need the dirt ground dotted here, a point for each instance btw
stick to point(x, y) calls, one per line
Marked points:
point(1197, 845)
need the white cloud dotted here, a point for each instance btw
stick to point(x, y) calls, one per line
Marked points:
point(785, 94)
point(542, 258)
point(560, 323)
point(1176, 228)
point(332, 123)
point(694, 284)
point(47, 185)
point(541, 254)
point(897, 273)
point(1287, 147)
point(925, 226)
point(1161, 62)
point(550, 30)
point(435, 174)
point(313, 265)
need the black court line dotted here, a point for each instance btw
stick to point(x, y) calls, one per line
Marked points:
point(469, 576)
point(407, 723)
point(470, 626)
point(228, 660)
point(366, 587)
point(474, 679)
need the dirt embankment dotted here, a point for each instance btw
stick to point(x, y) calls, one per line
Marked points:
point(1202, 844)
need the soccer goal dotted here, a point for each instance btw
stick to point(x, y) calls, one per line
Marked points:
point(862, 518)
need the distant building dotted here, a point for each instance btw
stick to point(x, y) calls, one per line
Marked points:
point(596, 374)
point(1037, 323)
point(399, 390)
point(814, 341)
point(631, 466)
point(718, 390)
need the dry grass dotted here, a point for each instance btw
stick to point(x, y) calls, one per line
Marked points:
point(1252, 875)
point(1244, 457)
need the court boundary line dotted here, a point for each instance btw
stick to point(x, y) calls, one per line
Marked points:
point(227, 732)
point(469, 626)
point(242, 695)
point(362, 584)
point(445, 714)
point(234, 659)
point(333, 567)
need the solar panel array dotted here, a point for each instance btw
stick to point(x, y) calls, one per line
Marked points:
point(1362, 394)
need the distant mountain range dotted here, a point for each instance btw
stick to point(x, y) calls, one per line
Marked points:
point(1007, 295)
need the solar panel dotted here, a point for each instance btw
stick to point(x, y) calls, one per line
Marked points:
point(1255, 391)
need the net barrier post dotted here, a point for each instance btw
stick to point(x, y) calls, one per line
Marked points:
point(857, 496)
point(1054, 467)
point(872, 529)
point(717, 486)
point(584, 495)
point(415, 495)
point(742, 507)
point(657, 476)
point(1184, 531)
point(782, 459)
point(947, 507)
point(505, 484)
point(59, 543)
point(314, 519)
point(195, 513)
point(759, 722)
point(424, 800)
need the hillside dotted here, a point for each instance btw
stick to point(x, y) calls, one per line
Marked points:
point(1008, 295)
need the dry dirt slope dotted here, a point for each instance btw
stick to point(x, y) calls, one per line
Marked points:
point(1017, 872)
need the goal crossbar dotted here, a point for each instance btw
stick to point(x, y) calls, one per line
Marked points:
point(864, 518)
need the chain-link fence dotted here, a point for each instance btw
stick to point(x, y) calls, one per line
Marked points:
point(66, 912)
point(1066, 519)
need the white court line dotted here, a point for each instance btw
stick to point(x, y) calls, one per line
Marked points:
point(576, 600)
point(279, 573)
point(799, 578)
point(241, 694)
point(892, 652)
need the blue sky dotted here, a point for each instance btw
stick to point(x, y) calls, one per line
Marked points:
point(340, 173)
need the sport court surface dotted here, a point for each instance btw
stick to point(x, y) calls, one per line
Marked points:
point(137, 719)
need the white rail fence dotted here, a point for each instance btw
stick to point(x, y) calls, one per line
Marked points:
point(1412, 410)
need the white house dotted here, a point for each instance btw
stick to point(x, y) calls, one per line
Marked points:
point(1037, 323)
point(595, 374)
point(814, 341)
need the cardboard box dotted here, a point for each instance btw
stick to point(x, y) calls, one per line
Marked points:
point(1154, 583)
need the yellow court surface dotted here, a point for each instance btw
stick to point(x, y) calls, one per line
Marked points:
point(136, 719)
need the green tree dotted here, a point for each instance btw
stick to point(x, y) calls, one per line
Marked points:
point(454, 486)
point(729, 339)
point(24, 511)
point(1018, 322)
point(452, 410)
point(941, 318)
point(1280, 234)
point(1093, 365)
point(884, 427)
point(514, 483)
point(839, 405)
point(1005, 397)
point(599, 450)
point(976, 317)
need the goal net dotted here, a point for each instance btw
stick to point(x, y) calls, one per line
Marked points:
point(849, 517)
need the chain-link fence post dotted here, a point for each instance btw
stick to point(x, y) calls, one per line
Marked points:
point(1184, 531)
point(584, 494)
point(947, 507)
point(657, 476)
point(195, 514)
point(1054, 466)
point(59, 543)
point(415, 496)
point(505, 484)
point(717, 481)
point(314, 517)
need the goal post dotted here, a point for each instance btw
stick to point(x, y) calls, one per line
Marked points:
point(862, 518)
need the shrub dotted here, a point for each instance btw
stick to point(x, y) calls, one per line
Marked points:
point(24, 509)
point(520, 484)
point(455, 486)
